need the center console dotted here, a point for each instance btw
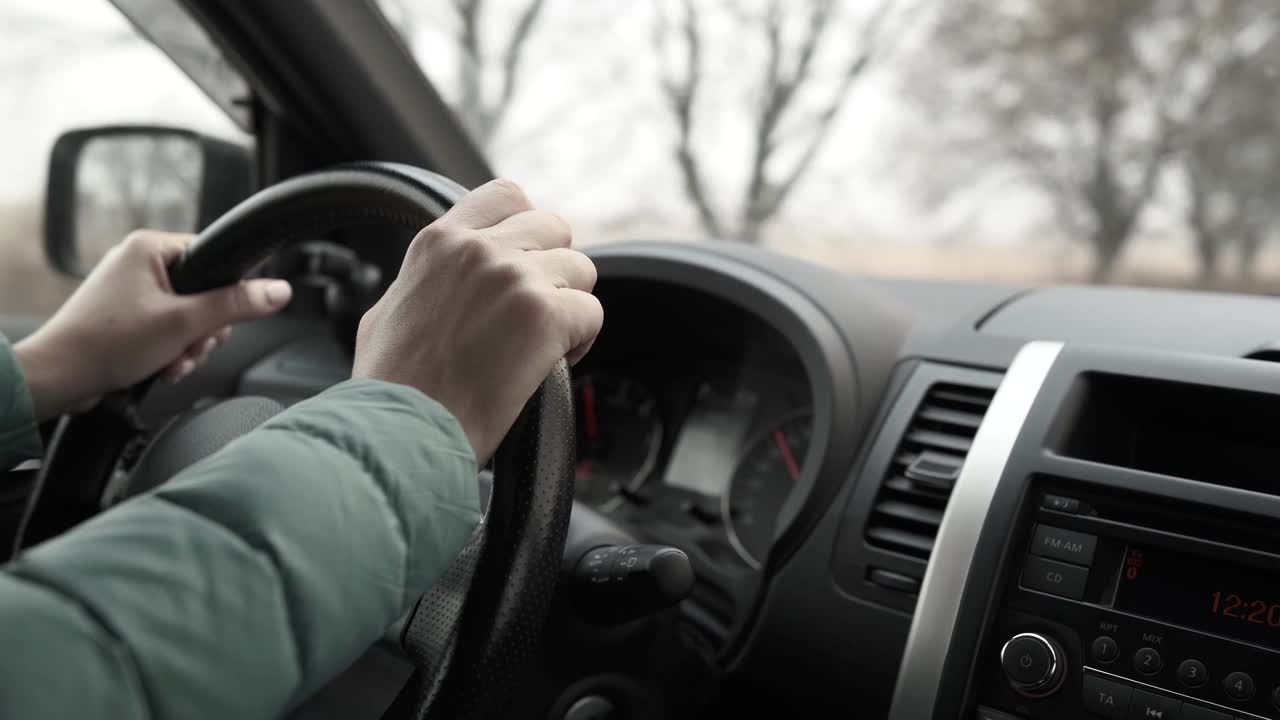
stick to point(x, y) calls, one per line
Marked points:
point(1115, 551)
point(1142, 606)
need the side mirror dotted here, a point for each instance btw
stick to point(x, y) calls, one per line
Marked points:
point(105, 182)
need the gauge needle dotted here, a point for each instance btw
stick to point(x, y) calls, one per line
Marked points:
point(788, 457)
point(590, 425)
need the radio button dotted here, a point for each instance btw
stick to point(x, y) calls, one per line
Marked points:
point(1067, 545)
point(1105, 698)
point(1195, 712)
point(1105, 649)
point(1148, 661)
point(1146, 706)
point(1054, 577)
point(1239, 687)
point(1061, 504)
point(1192, 674)
point(1034, 664)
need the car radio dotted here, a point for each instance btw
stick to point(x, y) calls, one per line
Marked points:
point(1130, 608)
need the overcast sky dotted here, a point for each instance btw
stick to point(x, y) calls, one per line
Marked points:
point(76, 63)
point(588, 135)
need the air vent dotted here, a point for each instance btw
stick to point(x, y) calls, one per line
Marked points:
point(908, 508)
point(1268, 353)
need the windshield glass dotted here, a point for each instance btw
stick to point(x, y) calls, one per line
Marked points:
point(167, 24)
point(1024, 140)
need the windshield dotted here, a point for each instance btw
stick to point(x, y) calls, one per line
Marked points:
point(1022, 140)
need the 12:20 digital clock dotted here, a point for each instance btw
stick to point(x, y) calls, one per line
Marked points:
point(1260, 612)
point(1219, 598)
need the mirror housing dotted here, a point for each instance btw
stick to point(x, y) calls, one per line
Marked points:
point(105, 182)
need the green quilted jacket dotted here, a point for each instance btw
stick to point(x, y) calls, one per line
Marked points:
point(248, 581)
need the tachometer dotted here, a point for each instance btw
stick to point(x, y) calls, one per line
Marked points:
point(764, 478)
point(619, 434)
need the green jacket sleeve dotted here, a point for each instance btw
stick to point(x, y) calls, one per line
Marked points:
point(19, 438)
point(243, 585)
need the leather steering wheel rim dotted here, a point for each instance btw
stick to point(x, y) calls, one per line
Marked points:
point(471, 634)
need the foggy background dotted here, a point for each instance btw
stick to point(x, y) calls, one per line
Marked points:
point(1021, 140)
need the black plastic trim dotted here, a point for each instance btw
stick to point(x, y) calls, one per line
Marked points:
point(852, 558)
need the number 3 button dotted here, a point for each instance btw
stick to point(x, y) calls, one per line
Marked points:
point(1192, 674)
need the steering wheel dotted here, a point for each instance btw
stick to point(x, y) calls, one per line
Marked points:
point(469, 635)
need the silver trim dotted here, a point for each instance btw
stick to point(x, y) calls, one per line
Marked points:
point(939, 604)
point(1050, 673)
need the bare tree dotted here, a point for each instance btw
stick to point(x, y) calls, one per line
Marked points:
point(1230, 159)
point(786, 74)
point(480, 107)
point(1088, 101)
point(130, 182)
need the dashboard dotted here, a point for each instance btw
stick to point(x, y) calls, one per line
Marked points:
point(920, 499)
point(1016, 503)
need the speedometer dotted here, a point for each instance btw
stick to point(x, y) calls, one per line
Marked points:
point(619, 433)
point(765, 477)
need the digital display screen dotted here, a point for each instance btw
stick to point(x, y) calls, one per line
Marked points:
point(705, 454)
point(1214, 597)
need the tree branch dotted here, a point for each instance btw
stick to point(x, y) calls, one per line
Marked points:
point(511, 58)
point(778, 93)
point(681, 93)
point(470, 93)
point(777, 194)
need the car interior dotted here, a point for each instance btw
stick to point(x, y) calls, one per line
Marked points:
point(819, 491)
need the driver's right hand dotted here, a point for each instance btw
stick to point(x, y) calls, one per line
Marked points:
point(488, 299)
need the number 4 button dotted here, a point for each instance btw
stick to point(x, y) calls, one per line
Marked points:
point(1239, 687)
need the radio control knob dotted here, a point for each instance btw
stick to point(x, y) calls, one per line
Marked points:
point(1034, 664)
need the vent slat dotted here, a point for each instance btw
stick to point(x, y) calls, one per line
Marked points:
point(909, 513)
point(976, 398)
point(900, 484)
point(914, 493)
point(933, 438)
point(960, 418)
point(908, 542)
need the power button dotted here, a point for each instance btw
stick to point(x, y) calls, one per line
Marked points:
point(1033, 664)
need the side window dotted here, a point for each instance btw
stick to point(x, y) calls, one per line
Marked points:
point(75, 64)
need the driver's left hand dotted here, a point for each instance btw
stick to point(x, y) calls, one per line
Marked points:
point(124, 323)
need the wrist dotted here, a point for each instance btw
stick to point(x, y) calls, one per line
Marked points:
point(55, 385)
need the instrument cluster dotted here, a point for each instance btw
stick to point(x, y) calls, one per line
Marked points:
point(694, 427)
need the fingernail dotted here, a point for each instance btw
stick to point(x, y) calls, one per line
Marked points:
point(186, 367)
point(210, 344)
point(278, 292)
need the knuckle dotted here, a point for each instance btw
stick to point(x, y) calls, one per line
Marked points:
point(428, 237)
point(136, 240)
point(182, 320)
point(531, 304)
point(560, 229)
point(512, 191)
point(367, 323)
point(507, 273)
point(473, 252)
point(589, 272)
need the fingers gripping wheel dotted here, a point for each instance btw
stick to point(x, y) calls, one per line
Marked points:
point(471, 634)
point(79, 463)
